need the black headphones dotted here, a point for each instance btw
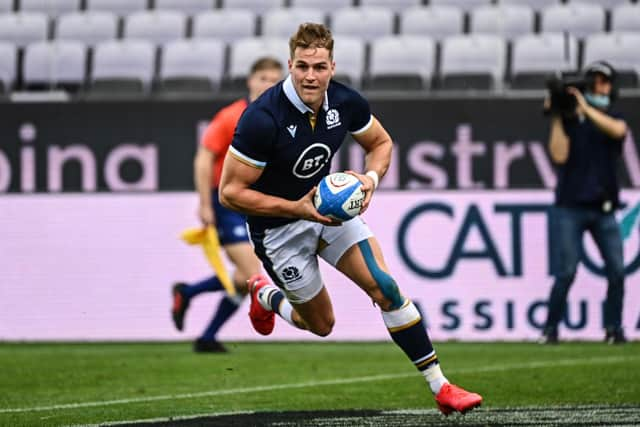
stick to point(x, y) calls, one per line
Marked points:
point(604, 69)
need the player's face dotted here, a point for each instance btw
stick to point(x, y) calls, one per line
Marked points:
point(601, 86)
point(311, 70)
point(262, 80)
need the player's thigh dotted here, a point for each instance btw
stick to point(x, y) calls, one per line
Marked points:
point(288, 254)
point(342, 250)
point(242, 256)
point(354, 265)
point(245, 260)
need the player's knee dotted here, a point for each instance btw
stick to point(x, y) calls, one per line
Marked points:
point(386, 293)
point(322, 328)
point(378, 297)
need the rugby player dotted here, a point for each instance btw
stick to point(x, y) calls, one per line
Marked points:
point(282, 147)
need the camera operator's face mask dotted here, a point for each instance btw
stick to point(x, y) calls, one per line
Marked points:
point(599, 101)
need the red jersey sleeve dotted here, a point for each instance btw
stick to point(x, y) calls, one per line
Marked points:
point(219, 134)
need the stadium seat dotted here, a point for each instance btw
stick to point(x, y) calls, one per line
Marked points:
point(8, 66)
point(245, 52)
point(394, 5)
point(22, 28)
point(437, 22)
point(578, 19)
point(626, 18)
point(6, 6)
point(122, 67)
point(190, 7)
point(284, 22)
point(157, 26)
point(87, 27)
point(51, 8)
point(536, 5)
point(536, 56)
point(258, 6)
point(465, 5)
point(227, 24)
point(192, 67)
point(325, 5)
point(402, 62)
point(349, 56)
point(619, 49)
point(368, 23)
point(607, 4)
point(119, 7)
point(508, 21)
point(472, 62)
point(55, 64)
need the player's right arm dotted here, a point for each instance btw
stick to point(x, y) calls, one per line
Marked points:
point(244, 164)
point(203, 167)
point(236, 194)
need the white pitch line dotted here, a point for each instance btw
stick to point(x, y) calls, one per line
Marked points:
point(532, 365)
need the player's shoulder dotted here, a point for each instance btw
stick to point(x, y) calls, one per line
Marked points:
point(340, 93)
point(263, 113)
point(267, 105)
point(233, 110)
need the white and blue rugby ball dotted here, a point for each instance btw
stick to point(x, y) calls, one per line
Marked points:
point(339, 196)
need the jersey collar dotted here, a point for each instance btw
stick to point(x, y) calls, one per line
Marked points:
point(293, 97)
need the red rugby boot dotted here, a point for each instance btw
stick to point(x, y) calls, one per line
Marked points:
point(452, 398)
point(263, 320)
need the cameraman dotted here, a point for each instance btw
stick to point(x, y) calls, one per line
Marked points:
point(586, 144)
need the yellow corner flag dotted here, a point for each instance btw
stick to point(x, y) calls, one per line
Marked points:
point(208, 238)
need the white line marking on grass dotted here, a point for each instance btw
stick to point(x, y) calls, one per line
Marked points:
point(481, 369)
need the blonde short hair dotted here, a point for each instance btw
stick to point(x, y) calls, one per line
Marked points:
point(311, 35)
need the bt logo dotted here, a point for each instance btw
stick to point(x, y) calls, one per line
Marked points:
point(312, 160)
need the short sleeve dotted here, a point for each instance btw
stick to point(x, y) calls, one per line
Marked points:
point(218, 134)
point(254, 138)
point(361, 118)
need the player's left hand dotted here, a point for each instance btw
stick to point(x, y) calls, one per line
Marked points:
point(367, 186)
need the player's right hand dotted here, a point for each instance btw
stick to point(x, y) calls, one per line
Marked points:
point(309, 212)
point(205, 213)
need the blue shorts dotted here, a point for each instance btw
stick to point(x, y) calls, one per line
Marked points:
point(229, 224)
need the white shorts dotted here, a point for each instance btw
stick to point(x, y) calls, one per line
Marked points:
point(290, 253)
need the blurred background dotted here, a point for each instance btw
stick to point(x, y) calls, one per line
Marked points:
point(103, 102)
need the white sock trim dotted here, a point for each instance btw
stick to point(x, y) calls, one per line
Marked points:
point(264, 296)
point(406, 315)
point(286, 312)
point(435, 378)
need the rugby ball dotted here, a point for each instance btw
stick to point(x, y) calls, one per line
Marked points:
point(339, 196)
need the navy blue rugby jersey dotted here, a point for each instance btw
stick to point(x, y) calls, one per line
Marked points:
point(275, 134)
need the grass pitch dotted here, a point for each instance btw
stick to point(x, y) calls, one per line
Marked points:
point(326, 383)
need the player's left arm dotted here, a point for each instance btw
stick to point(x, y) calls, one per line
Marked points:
point(378, 145)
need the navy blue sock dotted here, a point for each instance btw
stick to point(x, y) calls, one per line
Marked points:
point(275, 301)
point(226, 308)
point(211, 284)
